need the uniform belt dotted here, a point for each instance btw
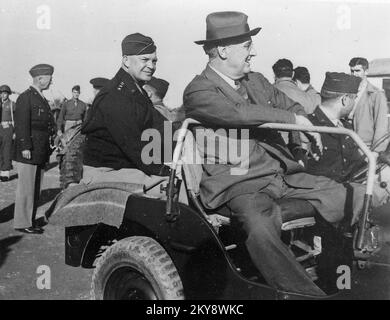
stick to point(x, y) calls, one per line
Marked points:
point(6, 122)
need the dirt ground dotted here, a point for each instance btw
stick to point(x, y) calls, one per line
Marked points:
point(21, 255)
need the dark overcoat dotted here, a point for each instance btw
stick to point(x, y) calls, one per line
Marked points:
point(115, 124)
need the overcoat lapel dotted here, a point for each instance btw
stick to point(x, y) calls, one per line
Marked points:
point(223, 86)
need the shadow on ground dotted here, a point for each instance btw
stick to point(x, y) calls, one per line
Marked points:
point(7, 213)
point(51, 165)
point(5, 245)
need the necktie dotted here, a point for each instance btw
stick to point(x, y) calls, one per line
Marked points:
point(241, 90)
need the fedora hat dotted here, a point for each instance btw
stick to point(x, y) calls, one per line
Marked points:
point(227, 25)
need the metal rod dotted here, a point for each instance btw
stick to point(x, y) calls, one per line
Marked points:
point(371, 156)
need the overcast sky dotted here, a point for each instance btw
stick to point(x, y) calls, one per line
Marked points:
point(81, 38)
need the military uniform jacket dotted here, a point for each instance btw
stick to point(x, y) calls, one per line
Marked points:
point(34, 126)
point(119, 115)
point(212, 101)
point(340, 157)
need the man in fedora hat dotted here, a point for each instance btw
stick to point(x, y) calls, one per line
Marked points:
point(7, 109)
point(34, 127)
point(120, 113)
point(228, 94)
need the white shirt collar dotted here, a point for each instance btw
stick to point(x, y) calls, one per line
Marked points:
point(224, 77)
point(39, 91)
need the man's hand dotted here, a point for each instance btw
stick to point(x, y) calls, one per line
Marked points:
point(26, 154)
point(59, 133)
point(303, 121)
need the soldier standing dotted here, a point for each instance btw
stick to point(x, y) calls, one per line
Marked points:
point(72, 112)
point(34, 126)
point(6, 132)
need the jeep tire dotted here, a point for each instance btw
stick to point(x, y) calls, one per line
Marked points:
point(136, 268)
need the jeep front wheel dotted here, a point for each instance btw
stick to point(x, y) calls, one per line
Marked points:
point(136, 268)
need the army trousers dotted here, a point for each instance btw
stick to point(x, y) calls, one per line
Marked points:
point(28, 189)
point(6, 148)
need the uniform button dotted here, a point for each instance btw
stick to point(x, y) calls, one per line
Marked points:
point(343, 146)
point(326, 148)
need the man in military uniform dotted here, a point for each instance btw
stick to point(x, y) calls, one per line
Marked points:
point(7, 108)
point(34, 127)
point(341, 157)
point(119, 115)
point(72, 112)
point(157, 89)
point(98, 84)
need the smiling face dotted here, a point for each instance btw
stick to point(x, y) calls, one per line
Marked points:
point(235, 58)
point(141, 67)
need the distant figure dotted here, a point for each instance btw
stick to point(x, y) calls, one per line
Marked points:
point(369, 115)
point(7, 109)
point(302, 79)
point(34, 128)
point(72, 112)
point(283, 71)
point(157, 89)
point(98, 84)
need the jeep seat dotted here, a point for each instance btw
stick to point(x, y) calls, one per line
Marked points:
point(296, 213)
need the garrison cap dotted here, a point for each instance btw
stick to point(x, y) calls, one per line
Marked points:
point(76, 88)
point(98, 83)
point(341, 82)
point(136, 44)
point(5, 88)
point(41, 70)
point(160, 85)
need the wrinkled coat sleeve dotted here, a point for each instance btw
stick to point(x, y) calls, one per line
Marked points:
point(124, 124)
point(23, 122)
point(381, 122)
point(204, 102)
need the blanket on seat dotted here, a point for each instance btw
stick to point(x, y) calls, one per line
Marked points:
point(91, 204)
